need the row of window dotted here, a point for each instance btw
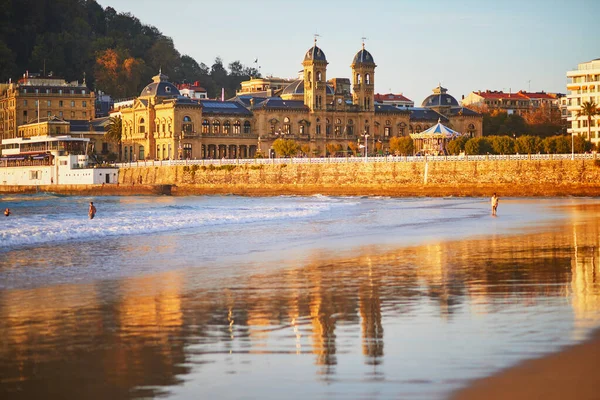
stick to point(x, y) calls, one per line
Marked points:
point(84, 114)
point(215, 127)
point(56, 91)
point(60, 103)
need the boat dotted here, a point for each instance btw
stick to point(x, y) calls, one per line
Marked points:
point(52, 160)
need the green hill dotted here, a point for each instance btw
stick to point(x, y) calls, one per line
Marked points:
point(116, 51)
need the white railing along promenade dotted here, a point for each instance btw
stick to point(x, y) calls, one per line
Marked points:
point(344, 160)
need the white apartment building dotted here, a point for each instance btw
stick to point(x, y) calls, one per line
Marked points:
point(584, 85)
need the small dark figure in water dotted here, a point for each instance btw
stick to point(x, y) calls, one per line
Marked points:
point(7, 212)
point(92, 210)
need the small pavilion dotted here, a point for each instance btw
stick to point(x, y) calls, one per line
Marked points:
point(433, 141)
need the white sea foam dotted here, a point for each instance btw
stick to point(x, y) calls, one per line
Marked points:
point(124, 221)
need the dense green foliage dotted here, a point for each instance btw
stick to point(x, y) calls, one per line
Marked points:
point(117, 52)
point(542, 123)
point(525, 144)
point(402, 146)
point(286, 147)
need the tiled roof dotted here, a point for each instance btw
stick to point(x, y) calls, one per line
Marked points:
point(277, 102)
point(83, 125)
point(463, 111)
point(426, 114)
point(388, 108)
point(223, 107)
point(520, 95)
point(390, 97)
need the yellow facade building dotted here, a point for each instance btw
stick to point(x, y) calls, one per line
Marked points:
point(316, 113)
point(36, 97)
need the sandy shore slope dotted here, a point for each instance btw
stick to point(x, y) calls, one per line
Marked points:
point(569, 374)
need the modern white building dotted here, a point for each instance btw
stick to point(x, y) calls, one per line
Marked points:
point(583, 84)
point(51, 160)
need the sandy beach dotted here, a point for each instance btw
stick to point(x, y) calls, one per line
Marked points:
point(569, 374)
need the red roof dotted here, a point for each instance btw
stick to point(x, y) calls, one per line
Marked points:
point(537, 95)
point(391, 97)
point(493, 94)
point(497, 94)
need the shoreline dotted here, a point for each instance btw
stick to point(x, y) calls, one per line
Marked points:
point(269, 190)
point(568, 373)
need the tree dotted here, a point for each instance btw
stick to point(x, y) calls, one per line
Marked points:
point(528, 144)
point(305, 148)
point(402, 146)
point(502, 144)
point(353, 146)
point(589, 109)
point(332, 148)
point(286, 147)
point(457, 146)
point(478, 145)
point(581, 145)
point(114, 132)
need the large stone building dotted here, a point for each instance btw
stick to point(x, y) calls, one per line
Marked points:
point(315, 112)
point(520, 102)
point(20, 102)
point(584, 84)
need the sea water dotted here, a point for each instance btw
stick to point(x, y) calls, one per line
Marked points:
point(320, 297)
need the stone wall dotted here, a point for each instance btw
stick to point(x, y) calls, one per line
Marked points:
point(515, 178)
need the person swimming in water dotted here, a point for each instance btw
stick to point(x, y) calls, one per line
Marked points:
point(7, 212)
point(92, 210)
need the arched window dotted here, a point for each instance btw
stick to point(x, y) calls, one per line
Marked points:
point(309, 76)
point(286, 125)
point(157, 151)
point(205, 126)
point(236, 127)
point(368, 79)
point(141, 126)
point(246, 126)
point(388, 122)
point(327, 127)
point(226, 128)
point(410, 129)
point(401, 128)
point(418, 128)
point(216, 127)
point(187, 126)
point(319, 76)
point(358, 79)
point(141, 155)
point(471, 130)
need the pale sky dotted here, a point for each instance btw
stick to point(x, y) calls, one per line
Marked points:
point(465, 45)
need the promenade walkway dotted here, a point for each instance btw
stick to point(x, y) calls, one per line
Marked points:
point(345, 160)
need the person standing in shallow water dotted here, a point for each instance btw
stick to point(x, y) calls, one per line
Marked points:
point(494, 204)
point(92, 210)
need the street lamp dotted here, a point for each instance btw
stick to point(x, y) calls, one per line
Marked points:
point(572, 145)
point(366, 136)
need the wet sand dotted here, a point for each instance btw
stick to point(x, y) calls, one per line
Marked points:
point(404, 190)
point(569, 374)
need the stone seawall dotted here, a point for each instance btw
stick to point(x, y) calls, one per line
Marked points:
point(447, 178)
point(459, 178)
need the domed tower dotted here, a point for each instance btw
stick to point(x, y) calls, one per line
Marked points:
point(159, 89)
point(315, 78)
point(363, 80)
point(440, 101)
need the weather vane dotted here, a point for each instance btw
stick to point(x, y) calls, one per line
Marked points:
point(316, 35)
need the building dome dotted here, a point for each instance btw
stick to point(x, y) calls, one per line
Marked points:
point(363, 57)
point(439, 98)
point(297, 87)
point(160, 86)
point(315, 54)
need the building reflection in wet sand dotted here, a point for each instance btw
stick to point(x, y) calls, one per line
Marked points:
point(140, 337)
